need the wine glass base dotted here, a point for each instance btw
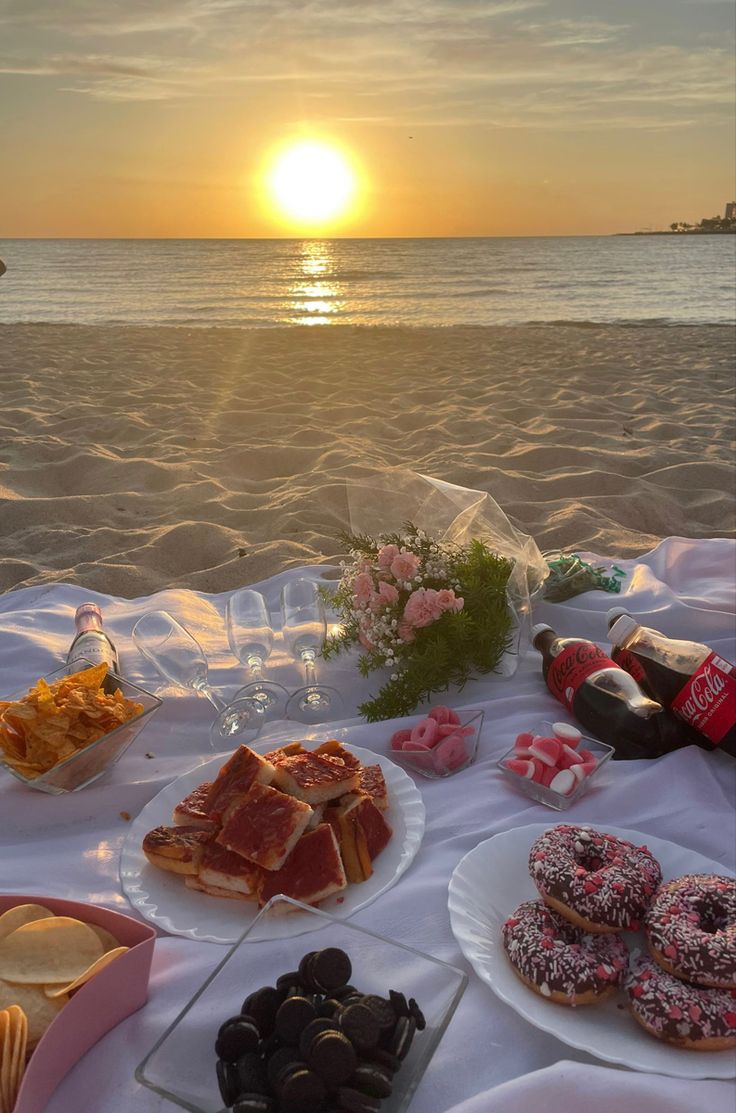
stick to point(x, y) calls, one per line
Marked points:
point(241, 721)
point(273, 698)
point(315, 703)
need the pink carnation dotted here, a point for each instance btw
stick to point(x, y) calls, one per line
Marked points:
point(386, 555)
point(362, 589)
point(386, 596)
point(404, 565)
point(422, 607)
point(448, 601)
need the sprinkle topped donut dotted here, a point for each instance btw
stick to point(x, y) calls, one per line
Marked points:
point(559, 961)
point(680, 1013)
point(691, 929)
point(598, 882)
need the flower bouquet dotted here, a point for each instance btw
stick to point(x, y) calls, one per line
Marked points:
point(432, 611)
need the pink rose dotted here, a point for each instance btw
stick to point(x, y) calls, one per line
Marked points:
point(406, 633)
point(448, 601)
point(422, 607)
point(386, 596)
point(386, 555)
point(362, 589)
point(404, 565)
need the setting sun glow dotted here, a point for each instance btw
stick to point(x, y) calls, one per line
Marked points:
point(311, 183)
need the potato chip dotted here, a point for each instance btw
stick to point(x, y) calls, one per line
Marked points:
point(108, 940)
point(40, 1010)
point(56, 950)
point(100, 964)
point(6, 1059)
point(19, 1024)
point(53, 721)
point(22, 914)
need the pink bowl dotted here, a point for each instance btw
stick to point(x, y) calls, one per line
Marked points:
point(114, 993)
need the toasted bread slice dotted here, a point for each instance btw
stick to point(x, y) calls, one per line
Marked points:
point(221, 869)
point(213, 890)
point(243, 769)
point(264, 826)
point(190, 812)
point(176, 849)
point(372, 784)
point(313, 871)
point(315, 778)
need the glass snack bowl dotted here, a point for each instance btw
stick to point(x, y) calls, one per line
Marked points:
point(91, 762)
point(430, 762)
point(544, 795)
point(181, 1065)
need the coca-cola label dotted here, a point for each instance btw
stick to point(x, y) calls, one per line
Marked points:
point(708, 699)
point(628, 661)
point(568, 670)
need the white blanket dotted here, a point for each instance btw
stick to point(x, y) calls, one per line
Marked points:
point(69, 846)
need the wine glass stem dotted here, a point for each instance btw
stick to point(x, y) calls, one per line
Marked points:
point(255, 664)
point(309, 669)
point(217, 702)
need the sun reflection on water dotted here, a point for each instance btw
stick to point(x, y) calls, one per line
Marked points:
point(316, 297)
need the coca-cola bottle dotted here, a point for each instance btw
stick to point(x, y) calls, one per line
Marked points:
point(603, 697)
point(697, 684)
point(91, 643)
point(626, 660)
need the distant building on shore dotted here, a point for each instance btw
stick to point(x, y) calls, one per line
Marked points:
point(730, 213)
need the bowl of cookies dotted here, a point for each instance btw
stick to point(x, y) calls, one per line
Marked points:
point(341, 1018)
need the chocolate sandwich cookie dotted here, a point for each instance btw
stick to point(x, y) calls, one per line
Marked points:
point(344, 991)
point(288, 980)
point(382, 1010)
point(330, 969)
point(402, 1037)
point(353, 1101)
point(360, 1026)
point(236, 1037)
point(292, 1017)
point(252, 1074)
point(399, 1002)
point(320, 1024)
point(281, 1061)
point(418, 1015)
point(301, 1091)
point(332, 1056)
point(328, 1007)
point(371, 1079)
point(262, 1006)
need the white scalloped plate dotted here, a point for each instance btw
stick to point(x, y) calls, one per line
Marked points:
point(163, 899)
point(489, 883)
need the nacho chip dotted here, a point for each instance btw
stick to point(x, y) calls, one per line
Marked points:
point(40, 1010)
point(56, 950)
point(22, 914)
point(99, 964)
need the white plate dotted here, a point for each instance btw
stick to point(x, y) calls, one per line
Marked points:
point(487, 886)
point(164, 899)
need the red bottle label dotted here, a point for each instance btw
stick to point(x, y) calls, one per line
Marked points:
point(628, 661)
point(708, 699)
point(568, 671)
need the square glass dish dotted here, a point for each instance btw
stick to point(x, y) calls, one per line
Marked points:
point(88, 764)
point(544, 794)
point(436, 761)
point(181, 1065)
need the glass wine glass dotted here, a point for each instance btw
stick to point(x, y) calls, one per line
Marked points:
point(250, 637)
point(304, 629)
point(179, 657)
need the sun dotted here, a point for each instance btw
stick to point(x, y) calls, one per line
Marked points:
point(311, 182)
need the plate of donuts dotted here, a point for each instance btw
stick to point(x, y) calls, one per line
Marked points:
point(493, 880)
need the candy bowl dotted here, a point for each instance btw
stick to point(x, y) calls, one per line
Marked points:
point(443, 743)
point(183, 1065)
point(92, 761)
point(529, 768)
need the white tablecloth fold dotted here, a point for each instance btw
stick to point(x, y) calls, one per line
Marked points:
point(69, 846)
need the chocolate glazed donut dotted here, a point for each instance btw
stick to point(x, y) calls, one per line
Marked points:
point(691, 929)
point(598, 882)
point(677, 1012)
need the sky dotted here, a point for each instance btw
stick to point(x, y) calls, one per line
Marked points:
point(459, 117)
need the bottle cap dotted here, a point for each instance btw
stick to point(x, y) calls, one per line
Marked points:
point(538, 628)
point(622, 629)
point(613, 614)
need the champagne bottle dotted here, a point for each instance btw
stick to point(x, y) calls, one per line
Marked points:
point(91, 643)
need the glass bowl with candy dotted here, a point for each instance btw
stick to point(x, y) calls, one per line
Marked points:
point(340, 1018)
point(442, 743)
point(554, 764)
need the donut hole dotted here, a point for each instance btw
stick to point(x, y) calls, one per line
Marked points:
point(713, 917)
point(588, 859)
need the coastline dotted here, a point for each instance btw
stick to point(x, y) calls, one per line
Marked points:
point(136, 458)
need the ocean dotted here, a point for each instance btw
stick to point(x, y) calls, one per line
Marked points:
point(263, 283)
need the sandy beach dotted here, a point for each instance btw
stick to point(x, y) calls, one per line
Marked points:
point(132, 459)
